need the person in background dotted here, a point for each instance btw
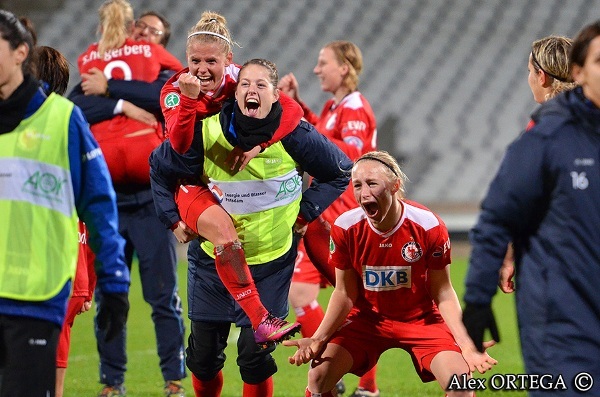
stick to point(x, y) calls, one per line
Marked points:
point(104, 97)
point(52, 69)
point(126, 141)
point(192, 94)
point(549, 75)
point(45, 139)
point(348, 120)
point(266, 193)
point(389, 250)
point(544, 199)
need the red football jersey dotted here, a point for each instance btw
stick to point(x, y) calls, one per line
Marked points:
point(351, 126)
point(134, 60)
point(180, 112)
point(393, 265)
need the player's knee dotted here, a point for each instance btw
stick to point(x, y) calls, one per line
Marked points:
point(317, 379)
point(205, 366)
point(256, 364)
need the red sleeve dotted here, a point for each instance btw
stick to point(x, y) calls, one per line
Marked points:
point(356, 131)
point(180, 115)
point(181, 112)
point(308, 114)
point(339, 256)
point(439, 256)
point(91, 258)
point(291, 116)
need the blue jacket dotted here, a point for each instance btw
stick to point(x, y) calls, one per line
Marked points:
point(95, 204)
point(546, 199)
point(314, 153)
point(142, 94)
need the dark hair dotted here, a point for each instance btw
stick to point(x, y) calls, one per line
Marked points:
point(270, 66)
point(581, 43)
point(52, 68)
point(164, 40)
point(28, 24)
point(13, 31)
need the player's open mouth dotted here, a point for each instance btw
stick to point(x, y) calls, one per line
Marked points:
point(252, 107)
point(205, 80)
point(371, 209)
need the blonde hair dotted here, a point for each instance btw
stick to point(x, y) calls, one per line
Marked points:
point(212, 28)
point(551, 55)
point(392, 169)
point(348, 53)
point(116, 17)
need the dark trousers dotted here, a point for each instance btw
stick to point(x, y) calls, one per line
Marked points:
point(155, 248)
point(27, 357)
point(212, 310)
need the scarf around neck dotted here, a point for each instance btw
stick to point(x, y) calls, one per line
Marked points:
point(12, 109)
point(250, 131)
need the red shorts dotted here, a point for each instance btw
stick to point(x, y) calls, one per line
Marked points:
point(192, 201)
point(367, 336)
point(64, 340)
point(312, 262)
point(116, 137)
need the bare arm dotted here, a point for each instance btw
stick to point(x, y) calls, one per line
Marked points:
point(341, 301)
point(445, 297)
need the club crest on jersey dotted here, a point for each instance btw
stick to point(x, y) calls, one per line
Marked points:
point(411, 251)
point(171, 100)
point(331, 246)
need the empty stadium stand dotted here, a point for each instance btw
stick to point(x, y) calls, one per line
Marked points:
point(447, 79)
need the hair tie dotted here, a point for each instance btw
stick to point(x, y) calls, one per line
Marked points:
point(213, 20)
point(535, 61)
point(367, 157)
point(210, 34)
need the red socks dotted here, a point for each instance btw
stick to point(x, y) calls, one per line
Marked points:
point(211, 388)
point(367, 381)
point(309, 317)
point(262, 389)
point(233, 270)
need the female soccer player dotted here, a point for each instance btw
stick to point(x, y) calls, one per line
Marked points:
point(188, 96)
point(264, 200)
point(393, 289)
point(347, 119)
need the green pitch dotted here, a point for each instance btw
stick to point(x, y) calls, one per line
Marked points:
point(395, 377)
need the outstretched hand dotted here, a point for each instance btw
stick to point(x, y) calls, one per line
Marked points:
point(478, 361)
point(307, 350)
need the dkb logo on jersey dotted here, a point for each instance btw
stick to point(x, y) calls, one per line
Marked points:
point(411, 251)
point(386, 278)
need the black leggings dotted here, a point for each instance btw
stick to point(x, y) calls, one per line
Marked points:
point(205, 354)
point(27, 357)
